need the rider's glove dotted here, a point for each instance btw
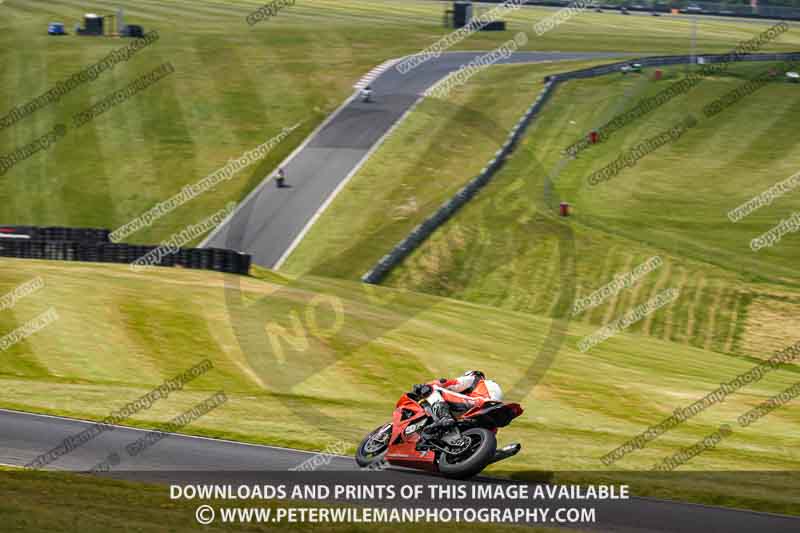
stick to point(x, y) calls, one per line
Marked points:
point(422, 390)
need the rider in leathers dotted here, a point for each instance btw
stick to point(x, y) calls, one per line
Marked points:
point(441, 393)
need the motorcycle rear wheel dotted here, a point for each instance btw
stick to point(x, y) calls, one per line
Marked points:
point(479, 454)
point(374, 446)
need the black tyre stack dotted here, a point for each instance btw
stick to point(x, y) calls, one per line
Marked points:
point(93, 245)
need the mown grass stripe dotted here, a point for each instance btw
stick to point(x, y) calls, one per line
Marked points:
point(693, 318)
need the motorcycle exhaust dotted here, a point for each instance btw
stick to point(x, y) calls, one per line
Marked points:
point(506, 451)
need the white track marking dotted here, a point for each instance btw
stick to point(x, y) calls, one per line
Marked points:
point(284, 163)
point(343, 183)
point(375, 73)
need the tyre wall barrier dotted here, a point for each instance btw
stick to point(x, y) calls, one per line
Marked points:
point(55, 233)
point(424, 230)
point(464, 195)
point(103, 251)
point(718, 9)
point(663, 61)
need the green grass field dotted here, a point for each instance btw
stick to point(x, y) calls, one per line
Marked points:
point(481, 293)
point(732, 300)
point(431, 154)
point(234, 87)
point(120, 333)
point(672, 204)
point(502, 250)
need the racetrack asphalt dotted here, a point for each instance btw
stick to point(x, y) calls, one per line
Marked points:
point(270, 221)
point(181, 459)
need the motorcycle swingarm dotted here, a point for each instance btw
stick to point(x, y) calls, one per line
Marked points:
point(428, 445)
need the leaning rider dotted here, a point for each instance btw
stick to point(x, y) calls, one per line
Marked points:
point(366, 94)
point(460, 392)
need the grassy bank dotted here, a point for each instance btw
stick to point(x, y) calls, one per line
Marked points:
point(440, 145)
point(672, 204)
point(234, 87)
point(121, 333)
point(480, 293)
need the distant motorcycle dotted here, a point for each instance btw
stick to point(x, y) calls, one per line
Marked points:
point(407, 441)
point(366, 95)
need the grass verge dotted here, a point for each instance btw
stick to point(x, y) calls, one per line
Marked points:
point(121, 333)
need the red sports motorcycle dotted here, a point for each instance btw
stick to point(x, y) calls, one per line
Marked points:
point(461, 453)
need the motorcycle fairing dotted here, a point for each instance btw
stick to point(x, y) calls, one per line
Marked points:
point(402, 444)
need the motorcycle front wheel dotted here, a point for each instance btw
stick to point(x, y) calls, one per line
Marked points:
point(374, 446)
point(478, 454)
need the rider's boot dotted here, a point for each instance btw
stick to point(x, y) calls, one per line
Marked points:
point(442, 419)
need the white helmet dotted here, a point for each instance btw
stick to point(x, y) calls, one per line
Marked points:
point(495, 392)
